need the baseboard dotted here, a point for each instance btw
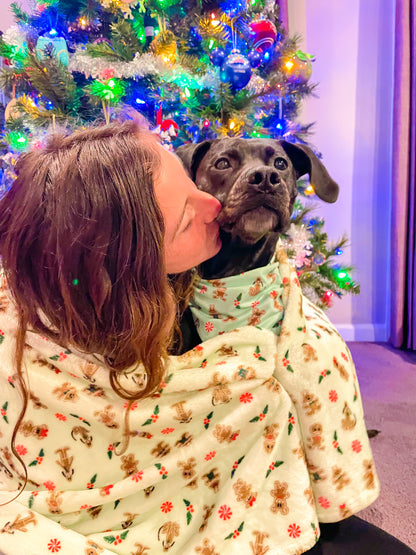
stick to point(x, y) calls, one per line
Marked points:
point(363, 332)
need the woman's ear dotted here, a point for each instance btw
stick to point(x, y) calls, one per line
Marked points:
point(191, 155)
point(304, 161)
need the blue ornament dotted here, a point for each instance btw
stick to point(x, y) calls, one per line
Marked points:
point(58, 46)
point(217, 57)
point(318, 258)
point(233, 7)
point(255, 58)
point(236, 71)
point(193, 131)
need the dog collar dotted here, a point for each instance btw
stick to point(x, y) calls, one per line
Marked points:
point(252, 298)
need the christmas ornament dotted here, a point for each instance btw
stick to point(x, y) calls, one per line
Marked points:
point(263, 33)
point(11, 110)
point(255, 58)
point(318, 258)
point(236, 70)
point(298, 67)
point(58, 47)
point(327, 298)
point(195, 38)
point(107, 74)
point(149, 24)
point(217, 57)
point(233, 7)
point(164, 46)
point(193, 133)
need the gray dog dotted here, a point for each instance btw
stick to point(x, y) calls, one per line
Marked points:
point(255, 181)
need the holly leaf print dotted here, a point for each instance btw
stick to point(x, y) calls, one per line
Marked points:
point(207, 420)
point(236, 532)
point(1, 337)
point(235, 465)
point(273, 465)
point(291, 423)
point(335, 443)
point(4, 411)
point(323, 375)
point(80, 418)
point(189, 511)
point(257, 354)
point(237, 301)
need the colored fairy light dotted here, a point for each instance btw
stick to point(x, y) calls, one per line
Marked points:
point(112, 90)
point(211, 44)
point(266, 55)
point(187, 93)
point(338, 251)
point(18, 140)
point(140, 101)
point(53, 32)
point(279, 126)
point(342, 274)
point(206, 122)
point(232, 124)
point(214, 21)
point(309, 190)
point(289, 64)
point(75, 282)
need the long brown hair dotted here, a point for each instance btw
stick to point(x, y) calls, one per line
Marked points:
point(81, 243)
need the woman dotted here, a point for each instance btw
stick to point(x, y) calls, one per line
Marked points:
point(107, 444)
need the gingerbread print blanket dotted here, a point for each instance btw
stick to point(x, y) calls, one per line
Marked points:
point(251, 440)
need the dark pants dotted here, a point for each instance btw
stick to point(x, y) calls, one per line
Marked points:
point(355, 536)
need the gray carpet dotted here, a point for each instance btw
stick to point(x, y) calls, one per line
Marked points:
point(387, 379)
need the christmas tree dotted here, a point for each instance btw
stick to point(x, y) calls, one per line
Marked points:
point(196, 69)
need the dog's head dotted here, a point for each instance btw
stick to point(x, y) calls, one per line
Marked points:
point(255, 181)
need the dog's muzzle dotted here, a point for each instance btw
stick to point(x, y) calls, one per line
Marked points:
point(257, 205)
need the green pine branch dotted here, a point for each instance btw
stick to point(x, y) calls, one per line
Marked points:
point(53, 80)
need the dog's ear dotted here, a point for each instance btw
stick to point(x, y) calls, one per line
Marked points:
point(191, 155)
point(304, 161)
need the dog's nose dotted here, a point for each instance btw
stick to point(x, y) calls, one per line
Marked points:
point(264, 179)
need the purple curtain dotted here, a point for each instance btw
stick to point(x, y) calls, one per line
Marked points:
point(403, 245)
point(283, 15)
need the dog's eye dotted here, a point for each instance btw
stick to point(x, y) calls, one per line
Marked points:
point(222, 164)
point(280, 164)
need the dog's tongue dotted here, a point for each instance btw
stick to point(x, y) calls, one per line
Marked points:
point(253, 225)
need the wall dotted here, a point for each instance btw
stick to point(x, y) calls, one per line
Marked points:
point(6, 14)
point(353, 44)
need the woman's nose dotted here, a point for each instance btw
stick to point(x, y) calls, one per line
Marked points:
point(212, 207)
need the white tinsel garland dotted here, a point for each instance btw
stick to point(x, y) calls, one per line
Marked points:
point(15, 36)
point(297, 240)
point(140, 66)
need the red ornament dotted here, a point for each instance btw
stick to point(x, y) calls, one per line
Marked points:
point(263, 33)
point(107, 74)
point(165, 125)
